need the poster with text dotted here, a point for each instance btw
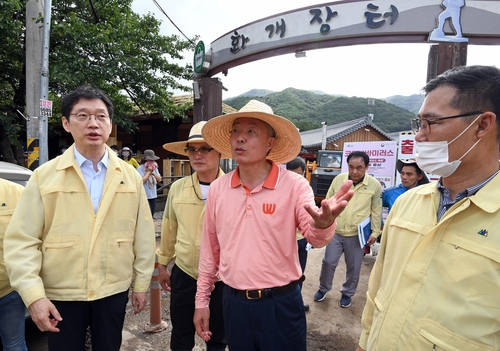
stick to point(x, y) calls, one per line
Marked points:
point(382, 155)
point(407, 150)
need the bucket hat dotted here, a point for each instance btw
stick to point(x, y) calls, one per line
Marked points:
point(411, 161)
point(217, 131)
point(195, 136)
point(149, 155)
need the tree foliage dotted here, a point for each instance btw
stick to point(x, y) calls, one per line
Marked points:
point(98, 42)
point(307, 109)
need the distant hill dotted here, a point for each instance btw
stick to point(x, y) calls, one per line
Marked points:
point(412, 103)
point(307, 109)
point(257, 92)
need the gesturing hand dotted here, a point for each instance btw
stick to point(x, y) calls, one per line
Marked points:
point(332, 207)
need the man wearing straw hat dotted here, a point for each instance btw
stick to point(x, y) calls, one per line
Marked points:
point(249, 239)
point(181, 238)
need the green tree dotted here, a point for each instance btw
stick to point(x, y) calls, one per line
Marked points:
point(98, 42)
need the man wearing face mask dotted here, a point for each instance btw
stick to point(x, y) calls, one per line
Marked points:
point(436, 279)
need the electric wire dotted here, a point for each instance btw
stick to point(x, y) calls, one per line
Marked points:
point(162, 11)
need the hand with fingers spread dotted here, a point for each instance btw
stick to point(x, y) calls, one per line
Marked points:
point(332, 207)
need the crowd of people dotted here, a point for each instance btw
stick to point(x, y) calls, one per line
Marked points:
point(81, 233)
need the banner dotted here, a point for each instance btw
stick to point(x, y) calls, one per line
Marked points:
point(382, 159)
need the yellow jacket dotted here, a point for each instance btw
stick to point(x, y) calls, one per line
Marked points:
point(56, 247)
point(436, 286)
point(132, 161)
point(10, 193)
point(182, 224)
point(367, 201)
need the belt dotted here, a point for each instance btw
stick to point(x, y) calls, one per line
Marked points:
point(263, 293)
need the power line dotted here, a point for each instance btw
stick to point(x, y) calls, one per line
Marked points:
point(162, 11)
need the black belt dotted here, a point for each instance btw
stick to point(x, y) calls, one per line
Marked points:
point(262, 293)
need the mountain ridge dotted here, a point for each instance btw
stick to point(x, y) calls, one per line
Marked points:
point(307, 109)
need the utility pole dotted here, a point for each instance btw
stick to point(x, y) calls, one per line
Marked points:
point(323, 136)
point(45, 104)
point(371, 103)
point(33, 65)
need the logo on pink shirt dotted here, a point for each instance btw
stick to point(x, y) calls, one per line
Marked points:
point(268, 208)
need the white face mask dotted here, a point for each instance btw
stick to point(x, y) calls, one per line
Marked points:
point(432, 156)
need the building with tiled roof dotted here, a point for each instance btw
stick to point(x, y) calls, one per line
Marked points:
point(357, 130)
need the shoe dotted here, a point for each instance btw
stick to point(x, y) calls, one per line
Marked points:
point(345, 301)
point(319, 296)
point(306, 307)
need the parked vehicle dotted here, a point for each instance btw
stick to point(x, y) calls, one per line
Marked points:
point(15, 173)
point(321, 172)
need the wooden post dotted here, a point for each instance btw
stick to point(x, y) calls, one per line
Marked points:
point(210, 103)
point(444, 56)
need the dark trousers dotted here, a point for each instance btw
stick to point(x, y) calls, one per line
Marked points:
point(104, 316)
point(182, 312)
point(276, 323)
point(152, 205)
point(302, 243)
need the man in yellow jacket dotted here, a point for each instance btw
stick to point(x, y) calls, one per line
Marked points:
point(366, 202)
point(436, 281)
point(181, 239)
point(11, 305)
point(80, 231)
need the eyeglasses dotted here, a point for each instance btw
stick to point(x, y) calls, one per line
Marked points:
point(84, 117)
point(202, 151)
point(424, 124)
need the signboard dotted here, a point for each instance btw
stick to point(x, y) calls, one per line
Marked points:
point(45, 108)
point(407, 150)
point(355, 22)
point(382, 159)
point(199, 57)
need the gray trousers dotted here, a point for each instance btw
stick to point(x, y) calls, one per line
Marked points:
point(353, 255)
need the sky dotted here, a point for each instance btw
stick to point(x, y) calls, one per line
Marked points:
point(371, 71)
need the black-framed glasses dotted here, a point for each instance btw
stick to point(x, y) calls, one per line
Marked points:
point(191, 151)
point(424, 124)
point(84, 117)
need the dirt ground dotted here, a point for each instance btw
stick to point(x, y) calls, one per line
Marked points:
point(329, 327)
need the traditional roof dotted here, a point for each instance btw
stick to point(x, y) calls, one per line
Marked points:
point(312, 138)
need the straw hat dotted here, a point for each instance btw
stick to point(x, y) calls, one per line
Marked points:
point(217, 131)
point(194, 137)
point(411, 161)
point(149, 155)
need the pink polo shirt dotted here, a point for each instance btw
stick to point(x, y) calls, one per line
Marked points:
point(249, 237)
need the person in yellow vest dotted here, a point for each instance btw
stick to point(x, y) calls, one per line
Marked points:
point(435, 283)
point(82, 234)
point(365, 203)
point(126, 155)
point(11, 305)
point(181, 239)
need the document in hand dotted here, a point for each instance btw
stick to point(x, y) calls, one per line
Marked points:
point(364, 231)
